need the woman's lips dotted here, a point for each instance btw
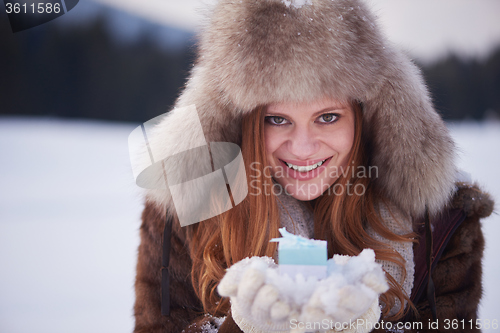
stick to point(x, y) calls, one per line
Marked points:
point(305, 175)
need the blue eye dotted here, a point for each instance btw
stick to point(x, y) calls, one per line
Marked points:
point(328, 118)
point(276, 120)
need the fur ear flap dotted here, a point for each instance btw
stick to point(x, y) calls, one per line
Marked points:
point(473, 200)
point(410, 144)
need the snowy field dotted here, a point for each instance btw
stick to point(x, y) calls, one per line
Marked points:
point(69, 219)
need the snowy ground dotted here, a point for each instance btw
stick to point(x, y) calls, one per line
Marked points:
point(69, 219)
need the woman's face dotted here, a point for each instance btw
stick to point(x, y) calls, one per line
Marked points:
point(308, 144)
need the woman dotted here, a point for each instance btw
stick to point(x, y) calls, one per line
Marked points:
point(307, 88)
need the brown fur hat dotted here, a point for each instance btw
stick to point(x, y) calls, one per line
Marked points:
point(255, 52)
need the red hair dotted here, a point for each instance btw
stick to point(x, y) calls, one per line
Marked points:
point(245, 230)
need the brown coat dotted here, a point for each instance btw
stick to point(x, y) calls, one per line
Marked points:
point(257, 52)
point(457, 275)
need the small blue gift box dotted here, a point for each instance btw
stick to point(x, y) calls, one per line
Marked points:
point(299, 255)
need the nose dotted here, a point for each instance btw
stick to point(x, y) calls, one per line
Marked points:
point(303, 143)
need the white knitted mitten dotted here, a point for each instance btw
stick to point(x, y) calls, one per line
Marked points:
point(262, 300)
point(255, 305)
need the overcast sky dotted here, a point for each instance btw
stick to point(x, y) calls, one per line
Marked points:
point(426, 28)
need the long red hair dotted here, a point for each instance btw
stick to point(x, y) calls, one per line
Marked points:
point(245, 230)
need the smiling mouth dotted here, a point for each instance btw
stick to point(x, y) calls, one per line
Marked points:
point(304, 168)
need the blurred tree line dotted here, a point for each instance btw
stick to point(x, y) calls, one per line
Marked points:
point(82, 72)
point(465, 89)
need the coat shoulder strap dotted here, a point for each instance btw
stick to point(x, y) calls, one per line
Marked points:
point(439, 231)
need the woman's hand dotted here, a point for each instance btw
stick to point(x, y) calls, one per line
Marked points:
point(262, 300)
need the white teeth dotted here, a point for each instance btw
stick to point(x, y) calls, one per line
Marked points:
point(304, 168)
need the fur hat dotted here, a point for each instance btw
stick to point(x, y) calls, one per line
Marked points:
point(256, 52)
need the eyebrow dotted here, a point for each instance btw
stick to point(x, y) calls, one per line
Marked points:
point(315, 114)
point(330, 108)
